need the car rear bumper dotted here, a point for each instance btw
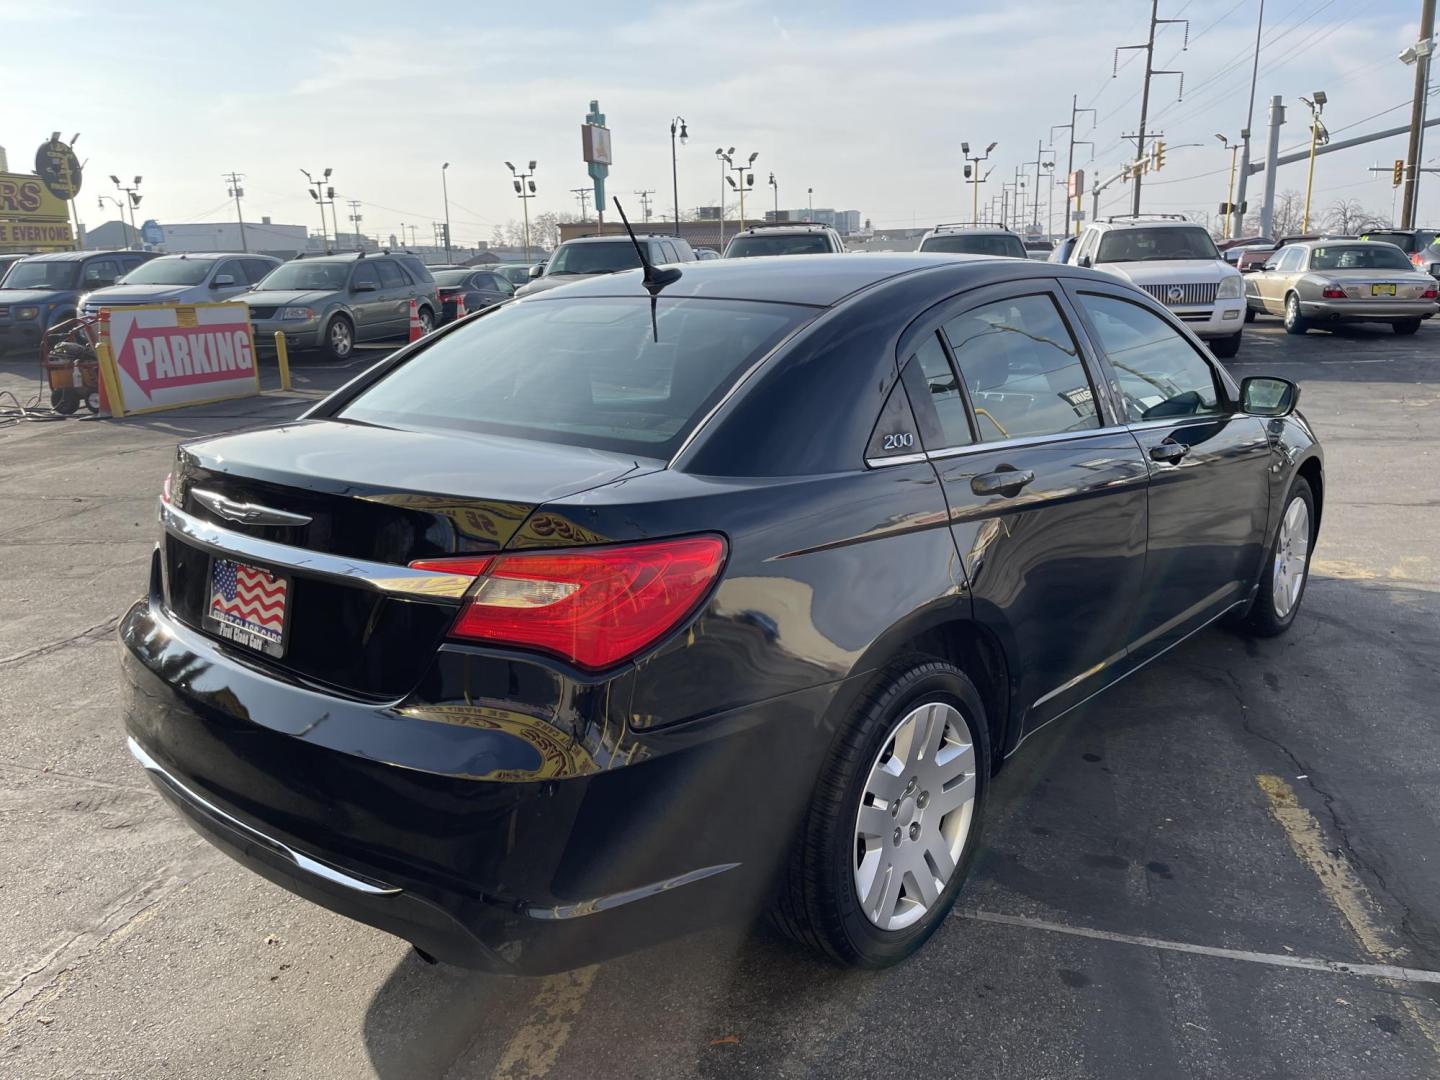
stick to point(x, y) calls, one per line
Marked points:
point(1366, 310)
point(428, 829)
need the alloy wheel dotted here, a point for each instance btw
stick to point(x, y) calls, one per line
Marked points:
point(1292, 551)
point(914, 817)
point(340, 338)
point(1292, 310)
point(426, 322)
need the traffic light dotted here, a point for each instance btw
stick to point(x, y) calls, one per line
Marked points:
point(1159, 157)
point(1397, 176)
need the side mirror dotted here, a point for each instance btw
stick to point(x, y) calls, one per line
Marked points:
point(1084, 260)
point(1266, 395)
point(1271, 264)
point(222, 280)
point(536, 270)
point(364, 286)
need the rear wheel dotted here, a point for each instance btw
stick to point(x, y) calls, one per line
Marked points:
point(895, 819)
point(1225, 347)
point(1282, 584)
point(1405, 327)
point(339, 338)
point(427, 321)
point(1294, 322)
point(65, 400)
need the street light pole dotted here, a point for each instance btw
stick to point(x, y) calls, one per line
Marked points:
point(723, 156)
point(675, 164)
point(317, 192)
point(747, 179)
point(1234, 149)
point(1318, 134)
point(973, 177)
point(809, 202)
point(445, 188)
point(525, 188)
point(776, 188)
point(235, 191)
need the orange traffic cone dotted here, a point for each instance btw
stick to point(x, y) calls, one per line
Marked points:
point(460, 311)
point(416, 330)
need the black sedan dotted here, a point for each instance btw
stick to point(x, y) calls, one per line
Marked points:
point(465, 290)
point(615, 612)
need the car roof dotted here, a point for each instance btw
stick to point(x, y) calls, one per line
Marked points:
point(971, 227)
point(215, 255)
point(777, 227)
point(1148, 223)
point(76, 256)
point(817, 280)
point(616, 238)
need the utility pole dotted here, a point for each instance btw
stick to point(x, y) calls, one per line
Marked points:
point(235, 191)
point(317, 189)
point(355, 218)
point(445, 189)
point(1075, 111)
point(1420, 52)
point(1150, 72)
point(1237, 217)
point(1040, 153)
point(582, 196)
point(1272, 156)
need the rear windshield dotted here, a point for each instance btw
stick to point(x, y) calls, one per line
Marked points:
point(1169, 242)
point(1405, 241)
point(1359, 257)
point(586, 371)
point(301, 274)
point(605, 258)
point(170, 272)
point(961, 244)
point(748, 247)
point(452, 277)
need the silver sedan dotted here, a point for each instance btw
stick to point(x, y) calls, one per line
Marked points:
point(1324, 282)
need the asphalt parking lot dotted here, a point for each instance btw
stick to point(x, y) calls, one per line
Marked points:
point(1228, 866)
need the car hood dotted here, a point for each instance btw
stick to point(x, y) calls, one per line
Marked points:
point(31, 296)
point(1169, 271)
point(282, 297)
point(139, 294)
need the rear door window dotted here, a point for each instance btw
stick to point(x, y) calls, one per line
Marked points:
point(365, 275)
point(100, 271)
point(593, 371)
point(390, 275)
point(1022, 369)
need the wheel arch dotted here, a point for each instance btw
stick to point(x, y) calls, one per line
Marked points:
point(1314, 474)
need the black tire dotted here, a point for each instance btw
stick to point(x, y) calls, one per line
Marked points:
point(339, 338)
point(427, 321)
point(818, 905)
point(1224, 348)
point(1263, 620)
point(65, 401)
point(1249, 313)
point(1295, 323)
point(1405, 327)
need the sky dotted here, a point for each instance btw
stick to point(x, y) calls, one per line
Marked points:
point(865, 103)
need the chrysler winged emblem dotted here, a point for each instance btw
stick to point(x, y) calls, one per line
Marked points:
point(246, 513)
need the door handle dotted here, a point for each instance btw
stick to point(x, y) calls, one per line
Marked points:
point(1168, 451)
point(1007, 482)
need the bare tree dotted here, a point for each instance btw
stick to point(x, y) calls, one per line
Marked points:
point(545, 229)
point(497, 236)
point(1348, 217)
point(1288, 215)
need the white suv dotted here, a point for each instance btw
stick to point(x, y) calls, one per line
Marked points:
point(974, 238)
point(1176, 262)
point(784, 238)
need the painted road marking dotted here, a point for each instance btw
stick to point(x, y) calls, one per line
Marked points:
point(1345, 890)
point(1334, 967)
point(531, 1052)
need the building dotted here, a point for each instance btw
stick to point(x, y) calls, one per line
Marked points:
point(111, 236)
point(263, 237)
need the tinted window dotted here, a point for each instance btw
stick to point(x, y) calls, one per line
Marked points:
point(1359, 257)
point(365, 272)
point(304, 274)
point(586, 371)
point(944, 392)
point(1157, 373)
point(748, 247)
point(1164, 242)
point(1403, 240)
point(234, 269)
point(1022, 369)
point(451, 278)
point(593, 258)
point(100, 270)
point(42, 275)
point(961, 244)
point(256, 269)
point(390, 275)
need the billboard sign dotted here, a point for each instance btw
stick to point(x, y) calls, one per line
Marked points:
point(595, 144)
point(32, 216)
point(168, 356)
point(58, 166)
point(1075, 183)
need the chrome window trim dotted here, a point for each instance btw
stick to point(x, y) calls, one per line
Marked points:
point(898, 459)
point(382, 577)
point(164, 779)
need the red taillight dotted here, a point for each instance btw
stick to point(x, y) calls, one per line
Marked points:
point(1333, 292)
point(593, 606)
point(1430, 293)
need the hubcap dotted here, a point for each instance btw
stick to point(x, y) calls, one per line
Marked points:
point(1292, 309)
point(914, 816)
point(425, 322)
point(340, 337)
point(1292, 550)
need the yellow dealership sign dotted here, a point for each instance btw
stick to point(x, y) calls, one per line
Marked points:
point(31, 216)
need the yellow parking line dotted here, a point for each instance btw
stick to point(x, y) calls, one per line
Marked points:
point(531, 1052)
point(1345, 890)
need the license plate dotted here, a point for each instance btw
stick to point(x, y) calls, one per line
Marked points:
point(1382, 290)
point(247, 606)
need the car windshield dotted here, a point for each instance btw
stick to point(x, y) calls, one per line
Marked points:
point(603, 258)
point(170, 272)
point(584, 371)
point(42, 275)
point(748, 247)
point(1359, 257)
point(452, 277)
point(307, 275)
point(980, 244)
point(1164, 242)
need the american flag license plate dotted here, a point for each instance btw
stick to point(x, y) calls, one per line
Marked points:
point(247, 606)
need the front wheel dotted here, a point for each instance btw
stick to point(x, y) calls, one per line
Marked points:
point(1405, 327)
point(427, 321)
point(1226, 347)
point(1282, 584)
point(895, 818)
point(1294, 322)
point(339, 338)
